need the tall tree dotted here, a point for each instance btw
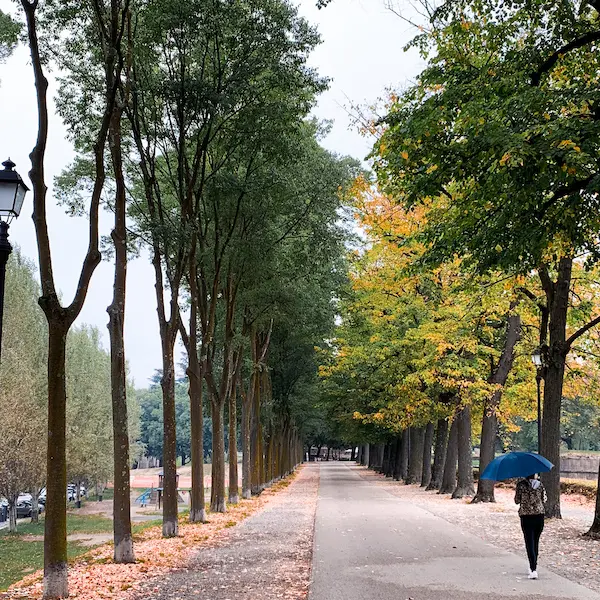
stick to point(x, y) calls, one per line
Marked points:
point(60, 318)
point(22, 386)
point(519, 193)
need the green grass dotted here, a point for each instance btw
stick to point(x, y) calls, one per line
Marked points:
point(139, 527)
point(108, 494)
point(75, 524)
point(19, 557)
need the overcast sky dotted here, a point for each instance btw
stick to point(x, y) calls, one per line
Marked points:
point(362, 52)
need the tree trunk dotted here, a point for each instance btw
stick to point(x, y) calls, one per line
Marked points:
point(234, 497)
point(353, 454)
point(170, 509)
point(380, 452)
point(397, 474)
point(439, 455)
point(55, 524)
point(449, 475)
point(404, 454)
point(12, 514)
point(385, 463)
point(366, 455)
point(415, 461)
point(35, 511)
point(195, 376)
point(427, 443)
point(464, 485)
point(558, 302)
point(594, 530)
point(489, 427)
point(393, 456)
point(217, 491)
point(246, 469)
point(123, 540)
point(255, 437)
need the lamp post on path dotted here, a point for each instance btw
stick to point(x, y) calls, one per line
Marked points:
point(12, 194)
point(539, 360)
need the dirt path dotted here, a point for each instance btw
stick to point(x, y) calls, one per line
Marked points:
point(268, 556)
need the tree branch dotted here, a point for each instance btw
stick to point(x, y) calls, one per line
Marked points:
point(581, 331)
point(547, 65)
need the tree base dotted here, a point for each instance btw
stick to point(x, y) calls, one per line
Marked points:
point(55, 582)
point(553, 512)
point(124, 553)
point(198, 516)
point(246, 494)
point(593, 533)
point(218, 505)
point(234, 499)
point(170, 528)
point(445, 489)
point(483, 497)
point(462, 492)
point(433, 485)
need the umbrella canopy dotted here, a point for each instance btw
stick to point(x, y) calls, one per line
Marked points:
point(516, 464)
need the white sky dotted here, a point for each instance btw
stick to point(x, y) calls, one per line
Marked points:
point(362, 51)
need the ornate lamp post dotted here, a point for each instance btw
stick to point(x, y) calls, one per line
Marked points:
point(539, 360)
point(12, 194)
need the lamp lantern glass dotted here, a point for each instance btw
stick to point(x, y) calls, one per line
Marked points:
point(536, 358)
point(12, 191)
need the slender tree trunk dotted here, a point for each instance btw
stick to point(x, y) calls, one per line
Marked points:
point(385, 463)
point(594, 530)
point(55, 524)
point(353, 454)
point(35, 511)
point(558, 302)
point(398, 459)
point(195, 376)
point(123, 540)
point(448, 484)
point(234, 497)
point(170, 509)
point(217, 492)
point(405, 452)
point(427, 443)
point(439, 455)
point(489, 427)
point(392, 459)
point(415, 461)
point(464, 485)
point(246, 468)
point(367, 455)
point(12, 514)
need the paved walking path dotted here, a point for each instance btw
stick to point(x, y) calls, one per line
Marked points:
point(371, 545)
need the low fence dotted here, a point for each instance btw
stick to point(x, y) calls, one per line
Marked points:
point(579, 466)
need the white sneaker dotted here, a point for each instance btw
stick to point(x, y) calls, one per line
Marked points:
point(532, 575)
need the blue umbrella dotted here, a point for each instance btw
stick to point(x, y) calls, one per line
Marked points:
point(516, 464)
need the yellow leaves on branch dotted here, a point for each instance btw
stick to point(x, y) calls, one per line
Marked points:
point(569, 144)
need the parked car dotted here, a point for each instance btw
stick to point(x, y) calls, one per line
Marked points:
point(25, 508)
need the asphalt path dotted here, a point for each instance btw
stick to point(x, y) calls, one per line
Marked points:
point(371, 545)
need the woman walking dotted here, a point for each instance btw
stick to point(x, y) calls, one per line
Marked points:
point(531, 496)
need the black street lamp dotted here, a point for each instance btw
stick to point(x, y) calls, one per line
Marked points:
point(538, 359)
point(12, 194)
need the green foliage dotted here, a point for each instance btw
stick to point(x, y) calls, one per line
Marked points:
point(151, 420)
point(502, 130)
point(9, 35)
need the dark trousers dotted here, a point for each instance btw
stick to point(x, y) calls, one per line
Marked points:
point(532, 526)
